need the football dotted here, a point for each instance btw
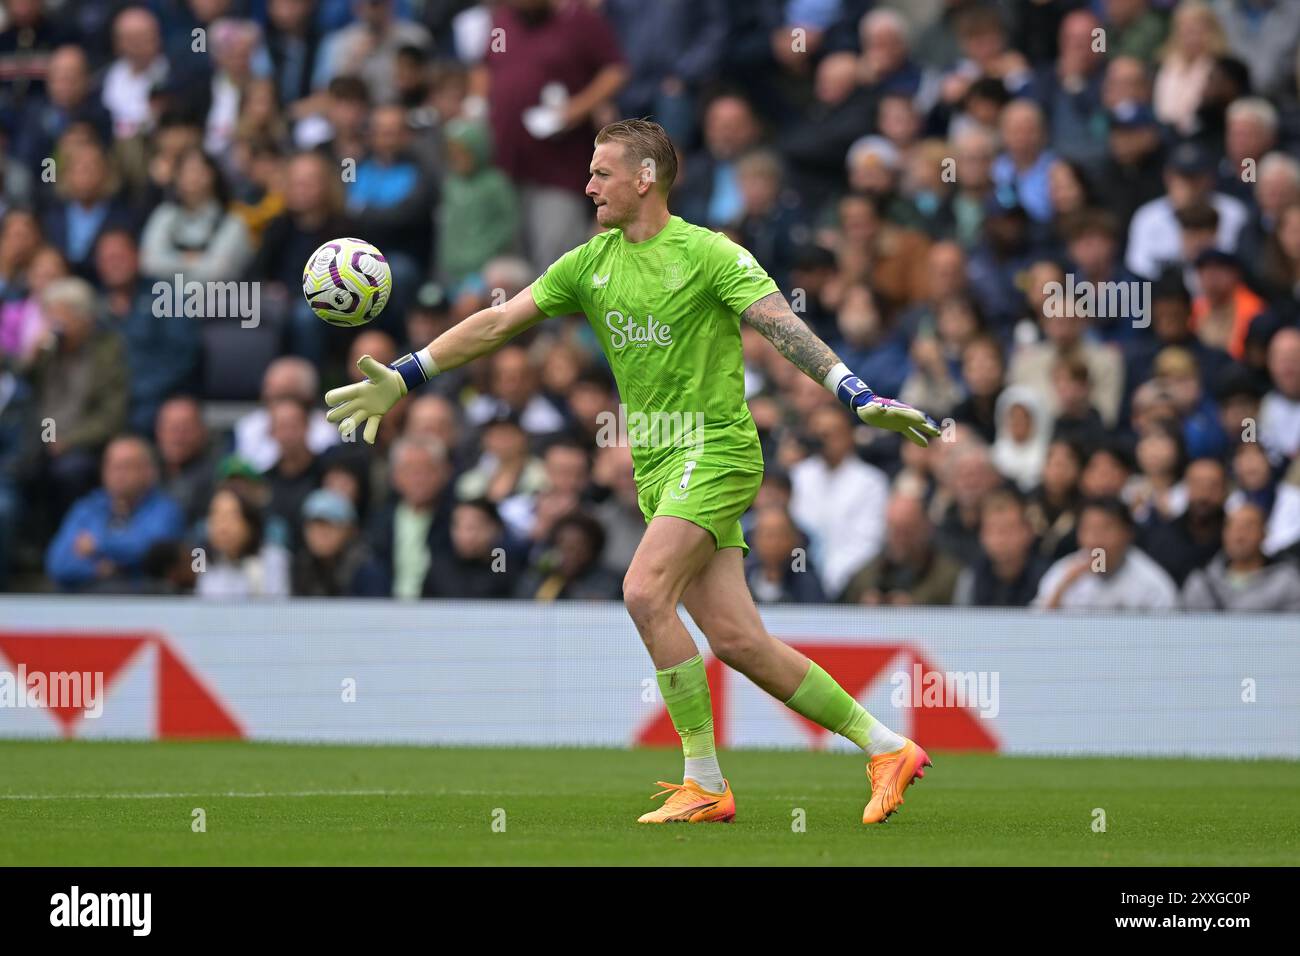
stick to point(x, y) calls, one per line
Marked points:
point(347, 282)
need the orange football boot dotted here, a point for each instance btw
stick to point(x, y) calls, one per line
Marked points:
point(690, 803)
point(890, 775)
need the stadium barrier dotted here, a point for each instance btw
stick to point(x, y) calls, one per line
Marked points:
point(512, 673)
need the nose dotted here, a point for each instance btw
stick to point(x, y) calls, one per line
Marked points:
point(591, 188)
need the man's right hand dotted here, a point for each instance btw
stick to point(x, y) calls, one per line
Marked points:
point(365, 403)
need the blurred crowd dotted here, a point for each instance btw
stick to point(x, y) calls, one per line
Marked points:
point(1068, 229)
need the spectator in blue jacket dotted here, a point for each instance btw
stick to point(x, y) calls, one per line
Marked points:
point(104, 538)
point(162, 351)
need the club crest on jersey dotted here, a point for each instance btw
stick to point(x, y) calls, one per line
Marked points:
point(625, 329)
point(674, 276)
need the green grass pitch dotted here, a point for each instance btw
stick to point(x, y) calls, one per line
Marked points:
point(92, 803)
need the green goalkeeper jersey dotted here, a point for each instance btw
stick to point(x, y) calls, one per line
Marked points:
point(667, 314)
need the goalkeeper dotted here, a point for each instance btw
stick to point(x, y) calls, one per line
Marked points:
point(665, 299)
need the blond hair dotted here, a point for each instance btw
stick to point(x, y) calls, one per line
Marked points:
point(647, 144)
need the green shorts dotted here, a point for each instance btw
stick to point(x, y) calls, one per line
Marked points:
point(705, 492)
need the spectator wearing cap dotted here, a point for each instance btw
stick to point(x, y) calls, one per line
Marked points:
point(1188, 541)
point(1241, 577)
point(333, 561)
point(1108, 572)
point(1026, 158)
point(478, 566)
point(185, 455)
point(909, 568)
point(1223, 312)
point(238, 560)
point(1279, 413)
point(1155, 238)
point(1130, 175)
point(775, 573)
point(1133, 29)
point(570, 566)
point(367, 48)
point(1195, 39)
point(1008, 569)
point(102, 541)
point(417, 524)
point(478, 217)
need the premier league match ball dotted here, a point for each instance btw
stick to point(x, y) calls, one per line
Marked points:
point(347, 282)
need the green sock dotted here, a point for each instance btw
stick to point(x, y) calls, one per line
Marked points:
point(685, 690)
point(824, 702)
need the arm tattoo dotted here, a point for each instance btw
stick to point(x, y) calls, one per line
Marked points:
point(771, 315)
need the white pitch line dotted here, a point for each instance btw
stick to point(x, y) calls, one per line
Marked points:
point(228, 794)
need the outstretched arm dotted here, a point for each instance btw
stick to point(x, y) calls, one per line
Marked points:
point(773, 318)
point(366, 403)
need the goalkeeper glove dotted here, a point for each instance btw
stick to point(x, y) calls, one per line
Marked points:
point(365, 403)
point(912, 423)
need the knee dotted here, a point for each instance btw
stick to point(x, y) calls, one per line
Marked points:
point(646, 597)
point(733, 645)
